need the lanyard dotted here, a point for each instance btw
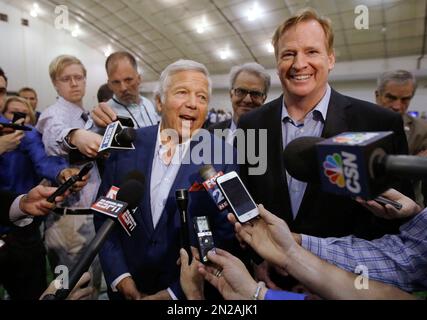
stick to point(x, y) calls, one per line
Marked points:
point(130, 113)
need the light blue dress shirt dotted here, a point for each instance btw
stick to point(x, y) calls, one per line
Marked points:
point(312, 125)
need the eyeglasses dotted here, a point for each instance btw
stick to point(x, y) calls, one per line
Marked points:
point(75, 78)
point(242, 93)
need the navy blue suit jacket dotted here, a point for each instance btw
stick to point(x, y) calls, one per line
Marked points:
point(150, 254)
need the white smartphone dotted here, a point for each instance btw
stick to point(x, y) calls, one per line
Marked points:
point(237, 196)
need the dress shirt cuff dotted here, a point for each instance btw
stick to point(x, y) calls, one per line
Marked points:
point(67, 145)
point(313, 244)
point(173, 296)
point(118, 279)
point(19, 218)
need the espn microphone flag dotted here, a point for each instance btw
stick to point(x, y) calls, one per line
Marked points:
point(117, 210)
point(346, 163)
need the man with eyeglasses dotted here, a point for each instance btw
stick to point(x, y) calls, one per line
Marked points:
point(124, 80)
point(66, 129)
point(249, 85)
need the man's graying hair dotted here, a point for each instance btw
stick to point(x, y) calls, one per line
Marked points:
point(252, 68)
point(178, 66)
point(399, 76)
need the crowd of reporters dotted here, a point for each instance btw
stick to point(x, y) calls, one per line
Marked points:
point(331, 236)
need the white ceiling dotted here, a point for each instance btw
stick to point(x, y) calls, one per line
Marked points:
point(159, 32)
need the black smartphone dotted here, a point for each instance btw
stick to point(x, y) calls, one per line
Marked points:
point(205, 241)
point(17, 116)
point(385, 201)
point(15, 126)
point(125, 121)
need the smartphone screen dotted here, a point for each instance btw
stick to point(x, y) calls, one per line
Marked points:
point(237, 196)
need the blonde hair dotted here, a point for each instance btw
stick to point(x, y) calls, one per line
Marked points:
point(25, 102)
point(60, 63)
point(305, 15)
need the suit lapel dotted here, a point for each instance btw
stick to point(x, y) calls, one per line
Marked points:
point(336, 122)
point(144, 162)
point(275, 151)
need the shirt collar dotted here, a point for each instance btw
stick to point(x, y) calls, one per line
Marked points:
point(77, 110)
point(161, 149)
point(233, 125)
point(320, 109)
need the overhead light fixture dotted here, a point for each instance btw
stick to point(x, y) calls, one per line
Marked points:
point(108, 51)
point(75, 33)
point(35, 10)
point(270, 48)
point(254, 12)
point(202, 25)
point(224, 54)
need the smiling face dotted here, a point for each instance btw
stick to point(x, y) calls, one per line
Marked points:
point(303, 62)
point(185, 103)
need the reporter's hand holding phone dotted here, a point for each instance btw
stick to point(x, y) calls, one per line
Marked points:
point(237, 196)
point(10, 141)
point(269, 236)
point(409, 207)
point(230, 276)
point(68, 173)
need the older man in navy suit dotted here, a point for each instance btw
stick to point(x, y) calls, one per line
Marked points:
point(170, 156)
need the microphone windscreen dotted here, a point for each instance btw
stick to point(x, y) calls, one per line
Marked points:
point(126, 136)
point(207, 171)
point(131, 192)
point(300, 159)
point(135, 175)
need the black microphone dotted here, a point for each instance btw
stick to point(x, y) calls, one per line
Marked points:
point(350, 168)
point(181, 196)
point(130, 194)
point(72, 180)
point(117, 137)
point(125, 136)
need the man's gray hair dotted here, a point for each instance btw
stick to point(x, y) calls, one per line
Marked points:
point(399, 76)
point(178, 66)
point(253, 68)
